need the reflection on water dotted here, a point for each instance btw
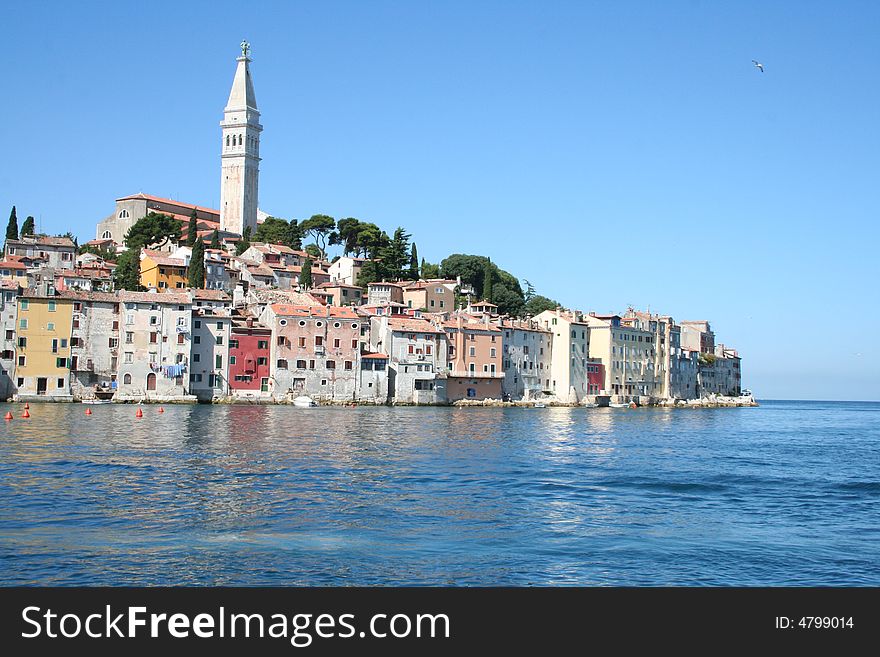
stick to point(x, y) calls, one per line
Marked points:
point(783, 494)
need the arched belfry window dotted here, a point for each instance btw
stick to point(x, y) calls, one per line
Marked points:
point(240, 141)
point(227, 141)
point(123, 214)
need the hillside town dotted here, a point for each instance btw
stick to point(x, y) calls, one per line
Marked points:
point(176, 302)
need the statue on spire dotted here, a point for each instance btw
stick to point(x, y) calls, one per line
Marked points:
point(245, 48)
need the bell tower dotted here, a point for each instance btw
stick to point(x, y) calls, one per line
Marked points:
point(240, 151)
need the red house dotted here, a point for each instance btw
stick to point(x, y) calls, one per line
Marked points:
point(249, 357)
point(595, 376)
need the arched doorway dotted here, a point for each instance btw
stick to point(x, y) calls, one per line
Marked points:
point(151, 381)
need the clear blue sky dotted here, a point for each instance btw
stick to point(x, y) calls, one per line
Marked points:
point(611, 153)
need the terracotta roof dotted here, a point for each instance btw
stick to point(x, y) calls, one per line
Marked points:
point(377, 356)
point(260, 270)
point(337, 312)
point(162, 259)
point(84, 295)
point(471, 326)
point(43, 240)
point(211, 295)
point(11, 264)
point(332, 284)
point(159, 199)
point(412, 325)
point(155, 297)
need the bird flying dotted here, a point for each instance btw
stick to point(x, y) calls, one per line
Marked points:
point(758, 65)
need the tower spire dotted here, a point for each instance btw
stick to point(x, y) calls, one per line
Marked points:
point(240, 151)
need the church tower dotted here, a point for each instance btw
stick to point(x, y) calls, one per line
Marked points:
point(240, 159)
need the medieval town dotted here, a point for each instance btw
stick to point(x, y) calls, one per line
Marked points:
point(175, 302)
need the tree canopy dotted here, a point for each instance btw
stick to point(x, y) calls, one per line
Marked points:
point(538, 304)
point(12, 226)
point(154, 230)
point(275, 230)
point(196, 273)
point(28, 228)
point(127, 275)
point(320, 227)
point(505, 291)
point(245, 242)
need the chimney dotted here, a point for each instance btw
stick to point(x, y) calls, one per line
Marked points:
point(249, 322)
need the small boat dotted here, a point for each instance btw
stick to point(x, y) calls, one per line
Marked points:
point(97, 401)
point(539, 405)
point(619, 405)
point(304, 401)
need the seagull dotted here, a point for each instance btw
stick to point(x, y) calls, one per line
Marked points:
point(758, 65)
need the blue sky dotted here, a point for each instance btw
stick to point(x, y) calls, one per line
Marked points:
point(613, 154)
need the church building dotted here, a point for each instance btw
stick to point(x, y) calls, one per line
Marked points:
point(239, 179)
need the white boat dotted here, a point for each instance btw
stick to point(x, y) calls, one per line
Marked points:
point(97, 401)
point(539, 405)
point(619, 405)
point(304, 401)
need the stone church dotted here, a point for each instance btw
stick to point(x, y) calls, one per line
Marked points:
point(239, 174)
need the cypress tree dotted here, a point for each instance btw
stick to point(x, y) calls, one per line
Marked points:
point(487, 280)
point(245, 243)
point(28, 228)
point(305, 276)
point(196, 274)
point(12, 226)
point(215, 239)
point(414, 263)
point(127, 275)
point(192, 231)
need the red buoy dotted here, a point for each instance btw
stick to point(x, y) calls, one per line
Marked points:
point(139, 413)
point(88, 411)
point(8, 416)
point(161, 410)
point(25, 414)
point(26, 406)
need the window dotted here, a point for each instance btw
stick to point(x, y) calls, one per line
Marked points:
point(311, 364)
point(473, 368)
point(22, 342)
point(153, 337)
point(220, 326)
point(106, 235)
point(129, 357)
point(336, 343)
point(52, 307)
point(50, 326)
point(129, 318)
point(195, 378)
point(219, 339)
point(233, 344)
point(197, 358)
point(262, 360)
point(331, 364)
point(319, 340)
point(154, 320)
point(123, 214)
point(232, 360)
point(354, 344)
point(281, 364)
point(262, 344)
point(113, 343)
point(60, 362)
point(54, 346)
point(24, 304)
point(348, 364)
point(197, 339)
point(302, 342)
point(181, 338)
point(492, 353)
point(22, 324)
point(218, 362)
point(473, 351)
point(323, 382)
point(21, 361)
point(336, 324)
point(300, 364)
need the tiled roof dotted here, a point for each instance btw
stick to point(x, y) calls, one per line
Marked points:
point(155, 297)
point(84, 295)
point(11, 264)
point(337, 312)
point(377, 356)
point(412, 325)
point(43, 240)
point(162, 259)
point(159, 199)
point(211, 295)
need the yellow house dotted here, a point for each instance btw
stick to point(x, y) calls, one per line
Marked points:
point(42, 363)
point(162, 273)
point(13, 270)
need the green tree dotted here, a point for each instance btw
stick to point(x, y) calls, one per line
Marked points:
point(429, 271)
point(196, 274)
point(488, 271)
point(370, 273)
point(27, 228)
point(305, 275)
point(538, 304)
point(153, 230)
point(105, 254)
point(127, 275)
point(472, 270)
point(245, 242)
point(215, 239)
point(278, 231)
point(12, 226)
point(320, 227)
point(192, 230)
point(414, 263)
point(313, 251)
point(395, 255)
point(371, 240)
point(346, 235)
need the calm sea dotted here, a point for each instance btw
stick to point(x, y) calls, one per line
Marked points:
point(784, 494)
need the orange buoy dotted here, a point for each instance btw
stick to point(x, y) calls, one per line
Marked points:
point(8, 416)
point(88, 411)
point(26, 406)
point(139, 413)
point(161, 410)
point(25, 414)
